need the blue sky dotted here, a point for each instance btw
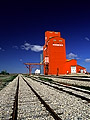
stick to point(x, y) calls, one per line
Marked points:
point(23, 25)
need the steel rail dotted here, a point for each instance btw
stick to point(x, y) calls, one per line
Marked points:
point(79, 79)
point(51, 111)
point(70, 87)
point(15, 106)
point(61, 89)
point(69, 77)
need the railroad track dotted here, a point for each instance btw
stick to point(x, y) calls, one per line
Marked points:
point(22, 100)
point(79, 78)
point(35, 100)
point(58, 99)
point(80, 93)
point(67, 86)
point(15, 106)
point(55, 116)
point(69, 82)
point(7, 98)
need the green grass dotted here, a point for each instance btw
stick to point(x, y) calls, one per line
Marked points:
point(46, 79)
point(5, 79)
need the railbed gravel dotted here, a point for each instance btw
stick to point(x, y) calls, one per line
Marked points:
point(7, 95)
point(72, 82)
point(81, 93)
point(29, 106)
point(68, 107)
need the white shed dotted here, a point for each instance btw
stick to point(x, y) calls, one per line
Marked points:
point(37, 71)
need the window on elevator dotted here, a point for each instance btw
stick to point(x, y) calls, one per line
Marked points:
point(54, 40)
point(60, 40)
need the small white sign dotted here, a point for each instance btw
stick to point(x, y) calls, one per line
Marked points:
point(45, 38)
point(44, 49)
point(57, 44)
point(46, 59)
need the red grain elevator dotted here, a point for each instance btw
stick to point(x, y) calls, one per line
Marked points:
point(54, 55)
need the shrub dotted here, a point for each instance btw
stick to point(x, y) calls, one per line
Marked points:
point(4, 72)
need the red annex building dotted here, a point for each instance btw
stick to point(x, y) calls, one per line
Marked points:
point(54, 56)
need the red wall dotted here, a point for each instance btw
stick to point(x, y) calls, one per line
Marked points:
point(68, 65)
point(81, 68)
point(54, 50)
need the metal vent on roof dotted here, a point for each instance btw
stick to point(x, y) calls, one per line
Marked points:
point(56, 32)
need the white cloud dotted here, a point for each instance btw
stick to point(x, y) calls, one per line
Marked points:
point(21, 60)
point(26, 46)
point(72, 55)
point(1, 49)
point(16, 47)
point(87, 60)
point(36, 48)
point(86, 38)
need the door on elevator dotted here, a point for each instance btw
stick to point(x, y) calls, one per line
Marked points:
point(73, 69)
point(81, 71)
point(46, 69)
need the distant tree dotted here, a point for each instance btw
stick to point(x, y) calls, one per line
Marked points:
point(4, 72)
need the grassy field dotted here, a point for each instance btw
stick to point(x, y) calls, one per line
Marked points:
point(5, 79)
